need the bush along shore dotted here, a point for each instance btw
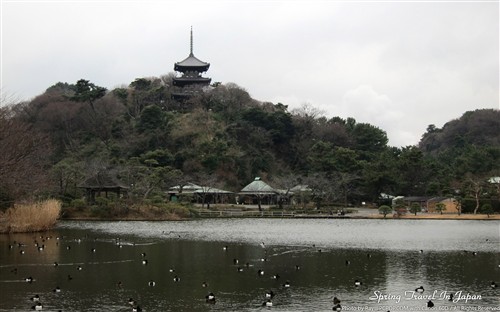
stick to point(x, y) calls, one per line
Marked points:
point(31, 216)
point(124, 210)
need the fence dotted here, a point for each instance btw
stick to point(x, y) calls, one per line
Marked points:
point(204, 213)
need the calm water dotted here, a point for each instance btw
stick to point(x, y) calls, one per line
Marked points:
point(389, 257)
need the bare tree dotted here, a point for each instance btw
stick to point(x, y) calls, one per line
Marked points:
point(285, 185)
point(308, 111)
point(321, 188)
point(24, 157)
point(474, 186)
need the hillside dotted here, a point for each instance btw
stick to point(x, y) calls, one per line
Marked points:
point(477, 128)
point(223, 138)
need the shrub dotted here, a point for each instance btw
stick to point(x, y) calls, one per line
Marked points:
point(487, 209)
point(384, 209)
point(33, 217)
point(78, 203)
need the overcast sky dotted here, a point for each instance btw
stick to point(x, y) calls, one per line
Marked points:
point(399, 65)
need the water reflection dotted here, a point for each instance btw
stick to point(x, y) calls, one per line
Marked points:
point(319, 258)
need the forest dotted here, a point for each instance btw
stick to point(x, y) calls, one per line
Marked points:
point(223, 138)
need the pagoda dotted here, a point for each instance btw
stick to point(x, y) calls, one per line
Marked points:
point(191, 80)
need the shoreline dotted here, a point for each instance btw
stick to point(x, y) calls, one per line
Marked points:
point(218, 214)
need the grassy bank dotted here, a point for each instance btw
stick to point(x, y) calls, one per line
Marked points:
point(125, 211)
point(31, 217)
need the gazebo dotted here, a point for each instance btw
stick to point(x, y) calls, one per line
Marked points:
point(259, 192)
point(103, 183)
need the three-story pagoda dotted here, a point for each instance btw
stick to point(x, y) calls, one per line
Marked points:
point(191, 80)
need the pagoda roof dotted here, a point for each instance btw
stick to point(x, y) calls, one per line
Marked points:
point(191, 61)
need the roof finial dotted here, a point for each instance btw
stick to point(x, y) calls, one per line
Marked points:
point(191, 51)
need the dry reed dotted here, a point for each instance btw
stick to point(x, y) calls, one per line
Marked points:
point(33, 217)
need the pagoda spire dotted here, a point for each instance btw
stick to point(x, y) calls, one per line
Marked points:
point(191, 47)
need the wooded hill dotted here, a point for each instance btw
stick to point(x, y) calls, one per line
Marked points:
point(224, 138)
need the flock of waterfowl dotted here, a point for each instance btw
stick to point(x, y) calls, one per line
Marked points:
point(40, 243)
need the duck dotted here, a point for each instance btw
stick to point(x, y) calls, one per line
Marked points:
point(267, 303)
point(56, 264)
point(29, 279)
point(263, 245)
point(474, 253)
point(131, 301)
point(269, 294)
point(151, 283)
point(419, 289)
point(357, 283)
point(144, 262)
point(93, 250)
point(171, 270)
point(143, 254)
point(337, 307)
point(204, 284)
point(137, 309)
point(493, 285)
point(37, 307)
point(224, 248)
point(260, 272)
point(79, 268)
point(276, 276)
point(240, 269)
point(235, 261)
point(297, 267)
point(36, 298)
point(57, 289)
point(430, 304)
point(177, 279)
point(210, 298)
point(347, 262)
point(336, 300)
point(286, 284)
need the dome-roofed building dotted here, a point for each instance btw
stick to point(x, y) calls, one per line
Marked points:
point(260, 191)
point(191, 80)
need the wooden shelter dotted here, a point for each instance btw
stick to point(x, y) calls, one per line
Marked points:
point(199, 194)
point(103, 183)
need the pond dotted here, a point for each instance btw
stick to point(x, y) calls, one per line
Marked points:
point(173, 266)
